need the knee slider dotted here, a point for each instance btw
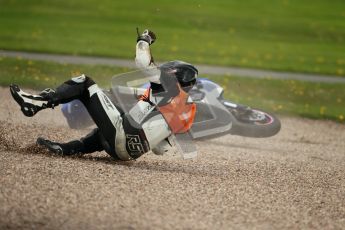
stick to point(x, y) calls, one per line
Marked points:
point(83, 79)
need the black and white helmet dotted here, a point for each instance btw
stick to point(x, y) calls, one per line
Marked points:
point(185, 73)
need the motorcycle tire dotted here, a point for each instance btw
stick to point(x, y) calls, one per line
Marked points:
point(266, 128)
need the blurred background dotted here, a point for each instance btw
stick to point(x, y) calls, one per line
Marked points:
point(285, 36)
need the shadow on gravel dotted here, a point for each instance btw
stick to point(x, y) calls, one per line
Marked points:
point(244, 146)
point(160, 165)
point(195, 168)
point(179, 166)
point(9, 141)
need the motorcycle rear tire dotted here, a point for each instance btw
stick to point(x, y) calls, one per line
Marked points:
point(255, 129)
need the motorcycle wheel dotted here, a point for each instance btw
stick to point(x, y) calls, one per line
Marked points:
point(255, 124)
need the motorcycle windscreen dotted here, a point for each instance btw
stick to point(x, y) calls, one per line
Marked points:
point(127, 88)
point(131, 92)
point(212, 119)
point(140, 92)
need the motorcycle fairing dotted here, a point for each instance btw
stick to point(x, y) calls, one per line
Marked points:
point(211, 118)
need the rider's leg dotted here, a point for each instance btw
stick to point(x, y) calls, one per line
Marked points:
point(92, 142)
point(119, 133)
point(106, 116)
point(31, 104)
point(129, 139)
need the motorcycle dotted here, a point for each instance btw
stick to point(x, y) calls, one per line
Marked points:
point(215, 116)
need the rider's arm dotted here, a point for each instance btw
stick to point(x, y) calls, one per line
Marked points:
point(143, 57)
point(167, 88)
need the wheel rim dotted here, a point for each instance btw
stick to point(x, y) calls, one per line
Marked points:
point(256, 117)
point(268, 119)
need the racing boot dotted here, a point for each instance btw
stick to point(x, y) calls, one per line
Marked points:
point(70, 148)
point(51, 146)
point(30, 104)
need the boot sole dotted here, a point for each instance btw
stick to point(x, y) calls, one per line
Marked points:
point(42, 142)
point(28, 109)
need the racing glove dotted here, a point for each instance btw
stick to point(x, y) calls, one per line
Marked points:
point(147, 36)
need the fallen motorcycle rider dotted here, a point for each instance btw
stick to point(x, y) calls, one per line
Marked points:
point(165, 109)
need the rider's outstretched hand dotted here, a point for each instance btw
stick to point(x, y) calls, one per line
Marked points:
point(147, 36)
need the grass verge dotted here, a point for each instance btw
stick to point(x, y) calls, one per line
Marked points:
point(305, 99)
point(298, 98)
point(40, 74)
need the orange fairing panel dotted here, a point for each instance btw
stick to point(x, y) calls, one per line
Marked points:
point(179, 113)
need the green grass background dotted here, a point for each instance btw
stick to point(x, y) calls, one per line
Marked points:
point(41, 74)
point(292, 35)
point(313, 100)
point(286, 35)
